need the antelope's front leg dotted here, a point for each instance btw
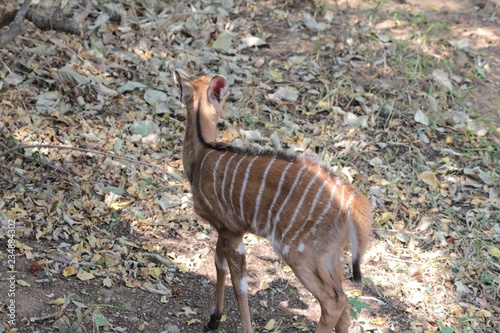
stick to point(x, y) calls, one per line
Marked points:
point(230, 246)
point(222, 268)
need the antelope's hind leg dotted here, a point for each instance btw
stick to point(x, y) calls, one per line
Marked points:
point(328, 291)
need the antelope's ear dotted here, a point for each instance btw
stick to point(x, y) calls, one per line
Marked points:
point(218, 91)
point(185, 86)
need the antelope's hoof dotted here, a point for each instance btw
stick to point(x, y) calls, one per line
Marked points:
point(213, 324)
point(210, 327)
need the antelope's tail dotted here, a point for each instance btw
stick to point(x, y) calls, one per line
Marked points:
point(360, 221)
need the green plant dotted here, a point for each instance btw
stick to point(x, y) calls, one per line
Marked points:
point(444, 328)
point(356, 307)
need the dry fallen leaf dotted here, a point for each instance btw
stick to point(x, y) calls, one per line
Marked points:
point(379, 320)
point(85, 276)
point(429, 178)
point(354, 292)
point(193, 321)
point(22, 283)
point(57, 301)
point(107, 282)
point(69, 271)
point(264, 285)
point(494, 251)
point(270, 324)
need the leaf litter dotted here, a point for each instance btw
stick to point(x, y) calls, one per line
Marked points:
point(104, 233)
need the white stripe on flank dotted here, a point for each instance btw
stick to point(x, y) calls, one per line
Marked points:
point(311, 210)
point(299, 206)
point(348, 203)
point(243, 188)
point(235, 172)
point(290, 193)
point(276, 195)
point(325, 210)
point(316, 199)
point(259, 196)
point(341, 204)
point(215, 182)
point(200, 175)
point(223, 185)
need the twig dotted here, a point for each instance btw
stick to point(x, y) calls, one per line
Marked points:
point(203, 12)
point(46, 280)
point(87, 150)
point(156, 258)
point(42, 318)
point(34, 159)
point(380, 302)
point(15, 28)
point(134, 12)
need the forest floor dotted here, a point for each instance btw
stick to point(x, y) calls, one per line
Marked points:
point(402, 97)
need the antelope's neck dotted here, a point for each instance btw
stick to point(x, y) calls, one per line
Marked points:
point(193, 145)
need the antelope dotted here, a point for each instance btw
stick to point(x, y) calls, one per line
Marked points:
point(305, 210)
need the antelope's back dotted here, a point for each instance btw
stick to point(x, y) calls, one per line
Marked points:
point(287, 199)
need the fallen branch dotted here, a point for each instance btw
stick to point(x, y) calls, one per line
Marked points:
point(87, 150)
point(15, 28)
point(47, 23)
point(41, 22)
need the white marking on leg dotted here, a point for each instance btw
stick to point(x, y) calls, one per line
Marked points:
point(223, 185)
point(221, 264)
point(235, 172)
point(199, 183)
point(299, 206)
point(259, 196)
point(214, 175)
point(243, 188)
point(241, 248)
point(244, 284)
point(286, 248)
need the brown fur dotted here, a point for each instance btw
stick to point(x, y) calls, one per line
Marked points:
point(306, 211)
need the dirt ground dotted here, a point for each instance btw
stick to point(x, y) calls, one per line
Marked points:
point(410, 286)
